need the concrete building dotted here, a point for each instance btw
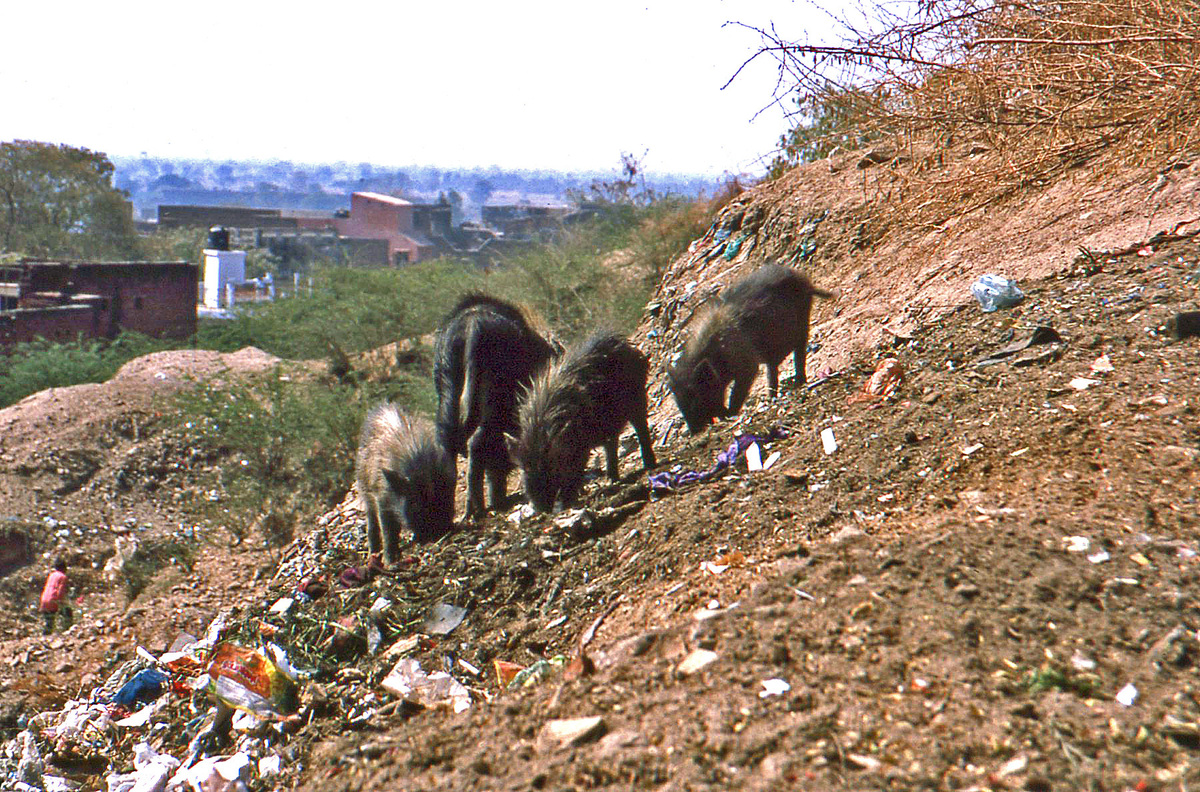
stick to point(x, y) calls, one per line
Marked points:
point(377, 216)
point(523, 215)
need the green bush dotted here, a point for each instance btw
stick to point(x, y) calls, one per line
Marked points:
point(41, 364)
point(569, 282)
point(278, 439)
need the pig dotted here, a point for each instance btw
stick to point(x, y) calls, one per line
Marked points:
point(486, 350)
point(405, 478)
point(758, 319)
point(580, 401)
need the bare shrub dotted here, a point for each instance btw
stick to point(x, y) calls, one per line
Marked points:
point(1023, 91)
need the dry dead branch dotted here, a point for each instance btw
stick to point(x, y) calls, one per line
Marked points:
point(1029, 90)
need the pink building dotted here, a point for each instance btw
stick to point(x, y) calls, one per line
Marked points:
point(377, 216)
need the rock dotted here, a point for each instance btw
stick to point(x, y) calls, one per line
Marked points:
point(847, 536)
point(615, 741)
point(695, 662)
point(863, 762)
point(557, 734)
point(967, 591)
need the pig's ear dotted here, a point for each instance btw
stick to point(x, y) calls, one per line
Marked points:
point(512, 444)
point(399, 484)
point(706, 374)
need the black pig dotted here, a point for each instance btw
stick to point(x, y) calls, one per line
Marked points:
point(486, 350)
point(759, 319)
point(405, 478)
point(579, 402)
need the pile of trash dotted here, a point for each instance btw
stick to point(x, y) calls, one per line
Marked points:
point(204, 716)
point(333, 638)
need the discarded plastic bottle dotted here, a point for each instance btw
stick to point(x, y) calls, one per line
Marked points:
point(996, 291)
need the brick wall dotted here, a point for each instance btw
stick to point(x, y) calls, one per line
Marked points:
point(58, 323)
point(155, 298)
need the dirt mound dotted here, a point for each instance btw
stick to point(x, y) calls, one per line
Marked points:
point(985, 584)
point(73, 413)
point(822, 218)
point(985, 580)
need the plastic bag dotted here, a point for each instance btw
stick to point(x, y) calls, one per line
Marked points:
point(248, 680)
point(151, 771)
point(996, 291)
point(146, 686)
point(408, 681)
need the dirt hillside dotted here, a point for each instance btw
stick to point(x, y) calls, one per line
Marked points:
point(986, 581)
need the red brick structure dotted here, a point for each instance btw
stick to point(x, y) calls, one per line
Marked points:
point(60, 300)
point(377, 216)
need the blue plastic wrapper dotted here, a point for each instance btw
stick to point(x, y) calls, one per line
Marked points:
point(146, 686)
point(995, 292)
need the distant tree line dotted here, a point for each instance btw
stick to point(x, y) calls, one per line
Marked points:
point(150, 181)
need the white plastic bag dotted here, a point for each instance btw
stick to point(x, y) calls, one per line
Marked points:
point(996, 291)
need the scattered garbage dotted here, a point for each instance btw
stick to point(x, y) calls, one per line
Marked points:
point(505, 671)
point(521, 514)
point(672, 479)
point(151, 771)
point(537, 672)
point(723, 562)
point(443, 618)
point(828, 442)
point(248, 680)
point(313, 587)
point(377, 622)
point(214, 774)
point(412, 684)
point(353, 577)
point(1042, 334)
point(575, 521)
point(270, 765)
point(773, 687)
point(883, 384)
point(1076, 544)
point(995, 292)
point(1127, 695)
point(146, 686)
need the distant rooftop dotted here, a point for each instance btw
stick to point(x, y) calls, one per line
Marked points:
point(314, 214)
point(381, 198)
point(515, 198)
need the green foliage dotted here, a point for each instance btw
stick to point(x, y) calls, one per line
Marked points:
point(173, 244)
point(1056, 677)
point(282, 439)
point(829, 123)
point(573, 282)
point(41, 364)
point(58, 200)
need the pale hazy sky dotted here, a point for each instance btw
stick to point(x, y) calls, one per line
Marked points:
point(520, 84)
